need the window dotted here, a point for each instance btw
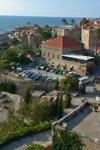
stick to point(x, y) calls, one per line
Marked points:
point(58, 56)
point(48, 54)
point(53, 55)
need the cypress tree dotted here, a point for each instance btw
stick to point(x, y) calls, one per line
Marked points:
point(67, 101)
point(27, 96)
point(57, 84)
point(60, 107)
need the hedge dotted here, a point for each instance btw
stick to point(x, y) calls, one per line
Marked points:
point(24, 132)
point(35, 147)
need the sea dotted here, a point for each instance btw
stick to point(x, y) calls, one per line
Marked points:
point(8, 22)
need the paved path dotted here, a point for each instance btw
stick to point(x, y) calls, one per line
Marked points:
point(41, 138)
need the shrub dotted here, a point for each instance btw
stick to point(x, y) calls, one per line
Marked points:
point(35, 147)
point(8, 86)
point(23, 132)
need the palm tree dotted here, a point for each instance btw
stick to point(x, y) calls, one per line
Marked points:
point(72, 21)
point(28, 23)
point(64, 21)
point(96, 36)
point(84, 22)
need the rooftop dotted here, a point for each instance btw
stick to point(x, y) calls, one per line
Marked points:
point(63, 42)
point(68, 27)
point(75, 56)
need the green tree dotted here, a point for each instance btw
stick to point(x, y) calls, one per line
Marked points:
point(28, 23)
point(83, 88)
point(14, 42)
point(41, 112)
point(96, 37)
point(72, 21)
point(60, 107)
point(46, 35)
point(27, 95)
point(23, 59)
point(10, 55)
point(35, 147)
point(67, 101)
point(71, 83)
point(5, 45)
point(46, 26)
point(64, 140)
point(64, 21)
point(85, 22)
point(57, 84)
point(8, 86)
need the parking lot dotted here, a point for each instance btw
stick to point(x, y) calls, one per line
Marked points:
point(37, 74)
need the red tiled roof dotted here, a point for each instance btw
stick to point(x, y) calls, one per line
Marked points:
point(49, 29)
point(96, 25)
point(78, 52)
point(90, 27)
point(98, 49)
point(63, 42)
point(31, 34)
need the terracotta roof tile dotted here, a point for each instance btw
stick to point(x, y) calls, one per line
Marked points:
point(98, 49)
point(78, 52)
point(63, 42)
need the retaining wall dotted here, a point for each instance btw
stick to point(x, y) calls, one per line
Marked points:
point(69, 116)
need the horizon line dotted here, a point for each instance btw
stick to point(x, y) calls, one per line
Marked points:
point(47, 16)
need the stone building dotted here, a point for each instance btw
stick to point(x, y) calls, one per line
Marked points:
point(20, 28)
point(87, 37)
point(67, 30)
point(33, 39)
point(66, 53)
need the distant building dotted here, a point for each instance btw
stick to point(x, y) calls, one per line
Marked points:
point(87, 36)
point(67, 30)
point(66, 53)
point(33, 39)
point(20, 28)
point(4, 38)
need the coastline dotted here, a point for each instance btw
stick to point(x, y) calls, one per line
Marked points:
point(8, 22)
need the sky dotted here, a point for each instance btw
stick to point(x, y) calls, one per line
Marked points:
point(51, 8)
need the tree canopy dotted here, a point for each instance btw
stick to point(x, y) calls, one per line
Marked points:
point(64, 21)
point(96, 36)
point(71, 83)
point(10, 55)
point(72, 21)
point(64, 140)
point(14, 42)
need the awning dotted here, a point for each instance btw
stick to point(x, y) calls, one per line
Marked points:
point(75, 56)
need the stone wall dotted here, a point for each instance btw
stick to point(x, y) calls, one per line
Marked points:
point(69, 116)
point(96, 92)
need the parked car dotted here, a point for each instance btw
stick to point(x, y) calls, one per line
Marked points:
point(25, 73)
point(51, 70)
point(20, 73)
point(42, 67)
point(75, 94)
point(36, 77)
point(48, 69)
point(31, 64)
point(19, 69)
point(48, 78)
point(29, 73)
point(42, 78)
point(32, 76)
